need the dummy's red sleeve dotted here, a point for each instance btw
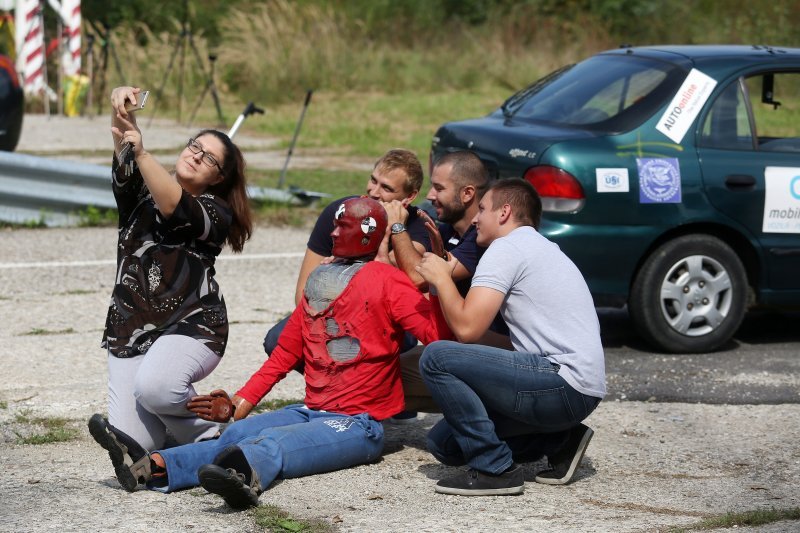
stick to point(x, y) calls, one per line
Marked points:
point(282, 360)
point(415, 313)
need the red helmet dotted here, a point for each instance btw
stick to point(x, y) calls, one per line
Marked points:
point(358, 227)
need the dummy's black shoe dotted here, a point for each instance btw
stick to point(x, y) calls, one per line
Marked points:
point(475, 483)
point(131, 461)
point(564, 463)
point(230, 484)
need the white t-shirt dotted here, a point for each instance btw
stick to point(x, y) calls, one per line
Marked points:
point(548, 307)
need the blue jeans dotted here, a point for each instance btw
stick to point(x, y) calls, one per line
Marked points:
point(498, 403)
point(271, 338)
point(291, 442)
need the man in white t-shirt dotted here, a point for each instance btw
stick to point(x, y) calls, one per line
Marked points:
point(500, 405)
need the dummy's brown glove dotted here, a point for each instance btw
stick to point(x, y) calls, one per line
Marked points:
point(214, 407)
point(437, 245)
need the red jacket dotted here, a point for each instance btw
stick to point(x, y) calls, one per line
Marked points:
point(377, 307)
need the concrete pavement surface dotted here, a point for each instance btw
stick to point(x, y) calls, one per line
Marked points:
point(651, 465)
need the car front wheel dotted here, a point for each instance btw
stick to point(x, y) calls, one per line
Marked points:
point(690, 295)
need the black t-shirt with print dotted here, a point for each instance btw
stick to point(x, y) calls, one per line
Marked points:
point(165, 269)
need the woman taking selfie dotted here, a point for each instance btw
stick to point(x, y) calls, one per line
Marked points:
point(167, 325)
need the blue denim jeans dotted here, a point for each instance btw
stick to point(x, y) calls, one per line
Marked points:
point(271, 338)
point(291, 442)
point(497, 404)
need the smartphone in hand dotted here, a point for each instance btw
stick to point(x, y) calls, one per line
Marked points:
point(141, 99)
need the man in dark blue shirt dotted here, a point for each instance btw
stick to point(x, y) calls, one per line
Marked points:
point(458, 181)
point(396, 177)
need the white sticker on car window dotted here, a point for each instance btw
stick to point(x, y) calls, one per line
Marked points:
point(686, 105)
point(781, 200)
point(612, 179)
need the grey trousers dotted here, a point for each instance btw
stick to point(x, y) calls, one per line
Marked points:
point(147, 394)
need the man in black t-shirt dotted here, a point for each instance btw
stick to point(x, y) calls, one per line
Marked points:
point(397, 175)
point(458, 181)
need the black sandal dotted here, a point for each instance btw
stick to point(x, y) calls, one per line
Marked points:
point(131, 462)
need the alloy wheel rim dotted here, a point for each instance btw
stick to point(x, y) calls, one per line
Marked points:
point(696, 295)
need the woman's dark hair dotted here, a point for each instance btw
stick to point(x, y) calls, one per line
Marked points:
point(233, 188)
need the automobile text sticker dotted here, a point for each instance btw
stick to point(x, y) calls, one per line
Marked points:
point(781, 200)
point(686, 105)
point(659, 180)
point(612, 179)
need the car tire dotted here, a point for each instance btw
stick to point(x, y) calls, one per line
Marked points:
point(690, 295)
point(8, 142)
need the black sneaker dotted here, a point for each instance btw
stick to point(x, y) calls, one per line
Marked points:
point(229, 484)
point(131, 461)
point(564, 463)
point(403, 418)
point(475, 483)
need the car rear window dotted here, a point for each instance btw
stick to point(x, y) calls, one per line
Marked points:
point(610, 93)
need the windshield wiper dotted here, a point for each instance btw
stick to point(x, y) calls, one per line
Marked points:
point(529, 91)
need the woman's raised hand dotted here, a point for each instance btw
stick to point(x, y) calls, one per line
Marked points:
point(121, 97)
point(123, 122)
point(126, 131)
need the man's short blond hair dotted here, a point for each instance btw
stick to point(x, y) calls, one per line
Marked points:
point(408, 162)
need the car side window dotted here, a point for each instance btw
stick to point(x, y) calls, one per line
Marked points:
point(775, 100)
point(727, 125)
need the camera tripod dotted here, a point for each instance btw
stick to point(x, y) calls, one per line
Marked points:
point(107, 50)
point(186, 40)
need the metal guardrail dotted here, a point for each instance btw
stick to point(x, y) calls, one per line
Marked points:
point(55, 192)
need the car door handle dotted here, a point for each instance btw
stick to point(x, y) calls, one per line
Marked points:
point(739, 181)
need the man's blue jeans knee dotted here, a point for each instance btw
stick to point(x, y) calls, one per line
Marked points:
point(271, 338)
point(488, 393)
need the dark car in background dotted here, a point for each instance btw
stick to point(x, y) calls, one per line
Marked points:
point(669, 174)
point(12, 105)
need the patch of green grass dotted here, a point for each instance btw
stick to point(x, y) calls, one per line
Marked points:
point(92, 216)
point(368, 124)
point(56, 430)
point(336, 183)
point(758, 517)
point(274, 405)
point(3, 404)
point(41, 331)
point(77, 292)
point(273, 519)
point(28, 224)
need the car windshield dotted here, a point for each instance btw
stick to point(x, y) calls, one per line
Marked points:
point(604, 93)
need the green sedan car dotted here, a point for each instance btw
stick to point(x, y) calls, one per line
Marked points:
point(669, 174)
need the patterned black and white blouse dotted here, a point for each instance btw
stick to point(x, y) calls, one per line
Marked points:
point(165, 269)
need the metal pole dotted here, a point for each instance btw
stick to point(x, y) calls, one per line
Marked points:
point(249, 110)
point(294, 138)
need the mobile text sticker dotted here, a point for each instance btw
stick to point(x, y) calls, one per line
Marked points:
point(781, 200)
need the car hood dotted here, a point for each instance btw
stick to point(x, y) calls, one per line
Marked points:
point(496, 138)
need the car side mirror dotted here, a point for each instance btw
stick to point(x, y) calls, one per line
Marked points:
point(767, 91)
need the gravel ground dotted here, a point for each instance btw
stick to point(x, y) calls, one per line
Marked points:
point(651, 465)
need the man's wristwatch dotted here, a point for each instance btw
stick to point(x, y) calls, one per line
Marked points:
point(398, 227)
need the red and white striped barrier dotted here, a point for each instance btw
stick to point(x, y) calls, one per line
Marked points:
point(30, 44)
point(71, 15)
